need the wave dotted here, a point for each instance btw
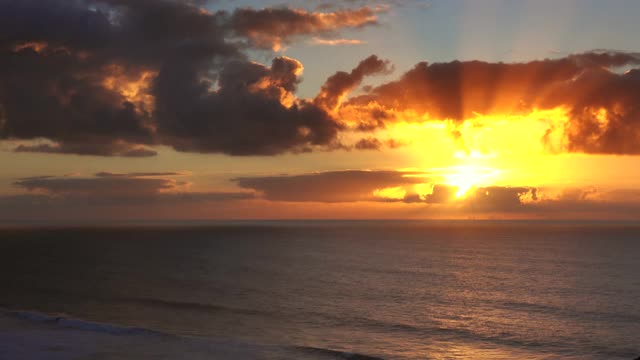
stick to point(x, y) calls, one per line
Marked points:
point(187, 305)
point(569, 312)
point(86, 325)
point(60, 320)
point(336, 353)
point(152, 302)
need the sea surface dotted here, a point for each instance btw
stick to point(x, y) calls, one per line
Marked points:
point(322, 290)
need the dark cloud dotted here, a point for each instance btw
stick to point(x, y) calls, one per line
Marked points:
point(341, 83)
point(457, 90)
point(372, 143)
point(77, 72)
point(113, 149)
point(254, 111)
point(603, 110)
point(500, 198)
point(75, 208)
point(108, 196)
point(109, 77)
point(369, 143)
point(273, 27)
point(387, 186)
point(137, 174)
point(333, 186)
point(100, 186)
point(441, 194)
point(116, 188)
point(148, 195)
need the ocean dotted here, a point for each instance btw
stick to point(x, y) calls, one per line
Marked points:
point(322, 290)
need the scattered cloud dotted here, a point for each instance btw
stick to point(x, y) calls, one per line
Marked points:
point(271, 28)
point(421, 194)
point(341, 83)
point(108, 149)
point(109, 186)
point(335, 42)
point(138, 174)
point(385, 186)
point(333, 186)
point(372, 143)
point(108, 195)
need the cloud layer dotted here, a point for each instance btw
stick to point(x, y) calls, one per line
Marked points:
point(352, 194)
point(115, 78)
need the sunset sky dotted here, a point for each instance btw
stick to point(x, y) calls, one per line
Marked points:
point(187, 109)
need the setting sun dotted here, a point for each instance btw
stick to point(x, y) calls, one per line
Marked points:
point(466, 177)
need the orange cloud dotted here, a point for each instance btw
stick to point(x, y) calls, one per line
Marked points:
point(271, 28)
point(335, 42)
point(600, 104)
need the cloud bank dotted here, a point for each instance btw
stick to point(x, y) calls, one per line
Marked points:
point(116, 78)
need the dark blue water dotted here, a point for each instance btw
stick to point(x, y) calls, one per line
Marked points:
point(392, 290)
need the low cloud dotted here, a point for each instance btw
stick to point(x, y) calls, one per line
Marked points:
point(333, 186)
point(138, 174)
point(402, 193)
point(109, 186)
point(110, 149)
point(388, 187)
point(122, 188)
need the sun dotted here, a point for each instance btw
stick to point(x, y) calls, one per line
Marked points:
point(467, 177)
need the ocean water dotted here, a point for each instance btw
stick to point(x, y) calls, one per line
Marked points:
point(322, 290)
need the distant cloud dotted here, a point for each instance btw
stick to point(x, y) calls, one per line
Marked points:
point(334, 186)
point(123, 188)
point(441, 199)
point(107, 196)
point(271, 28)
point(388, 187)
point(108, 149)
point(371, 143)
point(99, 186)
point(138, 174)
point(149, 195)
point(335, 42)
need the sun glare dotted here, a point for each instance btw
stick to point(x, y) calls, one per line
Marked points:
point(467, 177)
